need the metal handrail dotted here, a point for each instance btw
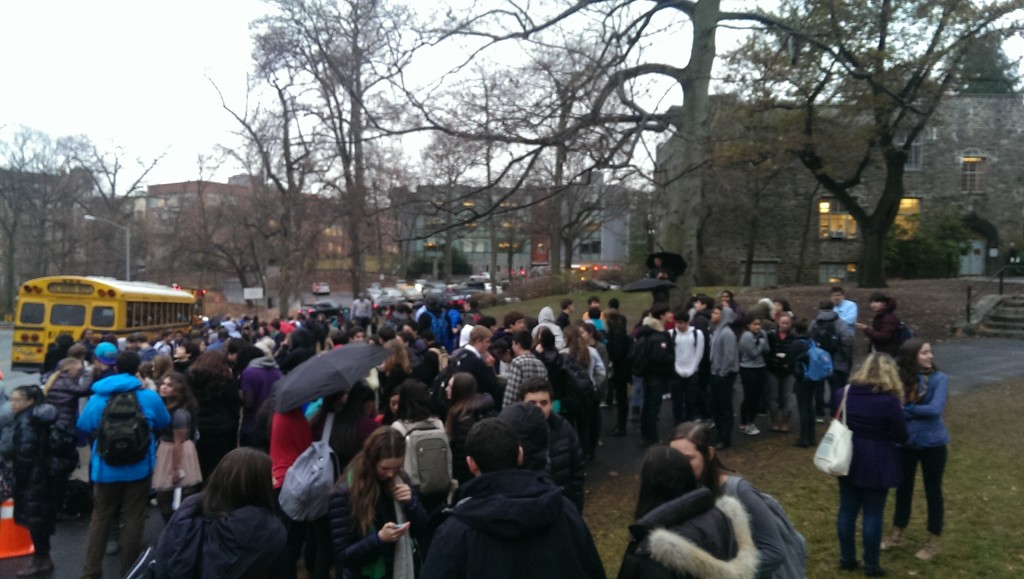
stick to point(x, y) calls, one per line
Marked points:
point(1001, 275)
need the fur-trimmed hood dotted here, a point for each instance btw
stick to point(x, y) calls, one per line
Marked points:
point(681, 556)
point(654, 324)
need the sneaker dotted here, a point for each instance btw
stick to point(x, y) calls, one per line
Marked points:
point(666, 397)
point(820, 420)
point(752, 430)
point(930, 550)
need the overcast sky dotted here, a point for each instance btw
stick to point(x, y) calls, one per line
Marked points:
point(134, 74)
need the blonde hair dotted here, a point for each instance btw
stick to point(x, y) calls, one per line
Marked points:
point(399, 357)
point(62, 367)
point(879, 371)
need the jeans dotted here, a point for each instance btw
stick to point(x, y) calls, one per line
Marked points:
point(721, 405)
point(933, 464)
point(637, 399)
point(753, 389)
point(654, 388)
point(133, 499)
point(684, 399)
point(780, 389)
point(805, 408)
point(852, 500)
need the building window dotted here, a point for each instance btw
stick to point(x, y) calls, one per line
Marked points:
point(762, 273)
point(831, 273)
point(908, 218)
point(972, 173)
point(835, 222)
point(915, 156)
point(591, 247)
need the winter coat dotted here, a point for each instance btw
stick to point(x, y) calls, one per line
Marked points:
point(843, 355)
point(877, 422)
point(25, 444)
point(247, 542)
point(692, 536)
point(257, 379)
point(64, 394)
point(778, 349)
point(219, 403)
point(356, 550)
point(924, 417)
point(486, 380)
point(483, 408)
point(565, 459)
point(546, 318)
point(512, 524)
point(552, 361)
point(884, 331)
point(662, 360)
point(89, 421)
point(302, 348)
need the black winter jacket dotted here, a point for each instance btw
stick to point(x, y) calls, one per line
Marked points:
point(662, 353)
point(356, 550)
point(483, 408)
point(25, 443)
point(248, 542)
point(778, 345)
point(565, 459)
point(219, 404)
point(692, 536)
point(513, 524)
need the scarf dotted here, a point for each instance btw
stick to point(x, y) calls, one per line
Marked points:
point(404, 567)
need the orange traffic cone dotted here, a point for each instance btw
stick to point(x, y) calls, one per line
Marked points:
point(14, 539)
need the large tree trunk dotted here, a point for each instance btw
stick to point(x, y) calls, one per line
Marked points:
point(680, 226)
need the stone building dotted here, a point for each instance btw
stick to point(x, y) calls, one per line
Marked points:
point(789, 229)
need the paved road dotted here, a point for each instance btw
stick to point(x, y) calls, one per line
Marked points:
point(969, 363)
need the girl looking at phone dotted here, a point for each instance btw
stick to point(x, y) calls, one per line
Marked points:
point(375, 515)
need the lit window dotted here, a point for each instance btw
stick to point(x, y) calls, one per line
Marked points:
point(908, 217)
point(835, 222)
point(831, 273)
point(972, 172)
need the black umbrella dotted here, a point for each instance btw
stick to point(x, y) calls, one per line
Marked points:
point(330, 372)
point(647, 284)
point(672, 262)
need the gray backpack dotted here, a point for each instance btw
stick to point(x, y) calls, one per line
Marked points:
point(793, 544)
point(307, 484)
point(428, 459)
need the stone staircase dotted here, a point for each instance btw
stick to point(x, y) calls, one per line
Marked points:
point(1006, 320)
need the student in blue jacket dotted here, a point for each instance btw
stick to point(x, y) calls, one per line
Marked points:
point(926, 390)
point(124, 487)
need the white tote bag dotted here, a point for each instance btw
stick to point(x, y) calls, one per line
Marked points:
point(836, 450)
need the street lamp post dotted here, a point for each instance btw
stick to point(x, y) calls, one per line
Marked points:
point(127, 243)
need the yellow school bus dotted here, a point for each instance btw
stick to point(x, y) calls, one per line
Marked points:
point(67, 304)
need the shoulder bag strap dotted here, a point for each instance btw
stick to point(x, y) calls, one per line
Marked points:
point(842, 406)
point(327, 427)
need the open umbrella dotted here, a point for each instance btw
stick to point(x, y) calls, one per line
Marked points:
point(673, 263)
point(330, 372)
point(647, 284)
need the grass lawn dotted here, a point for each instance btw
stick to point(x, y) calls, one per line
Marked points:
point(984, 525)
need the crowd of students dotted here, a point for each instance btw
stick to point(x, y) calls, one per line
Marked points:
point(518, 408)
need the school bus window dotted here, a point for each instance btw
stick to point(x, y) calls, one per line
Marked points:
point(64, 315)
point(102, 317)
point(32, 313)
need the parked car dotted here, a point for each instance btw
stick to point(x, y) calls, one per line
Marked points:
point(328, 308)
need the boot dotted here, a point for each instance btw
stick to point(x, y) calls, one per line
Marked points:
point(931, 548)
point(894, 540)
point(39, 567)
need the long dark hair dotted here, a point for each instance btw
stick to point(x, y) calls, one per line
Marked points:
point(665, 475)
point(906, 361)
point(703, 439)
point(183, 397)
point(346, 425)
point(413, 402)
point(463, 401)
point(576, 345)
point(212, 369)
point(241, 479)
point(364, 489)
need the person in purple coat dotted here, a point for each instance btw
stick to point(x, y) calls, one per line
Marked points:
point(875, 415)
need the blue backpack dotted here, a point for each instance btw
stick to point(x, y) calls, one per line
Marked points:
point(819, 363)
point(442, 331)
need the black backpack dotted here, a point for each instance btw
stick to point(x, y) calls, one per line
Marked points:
point(825, 336)
point(123, 437)
point(579, 388)
point(63, 452)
